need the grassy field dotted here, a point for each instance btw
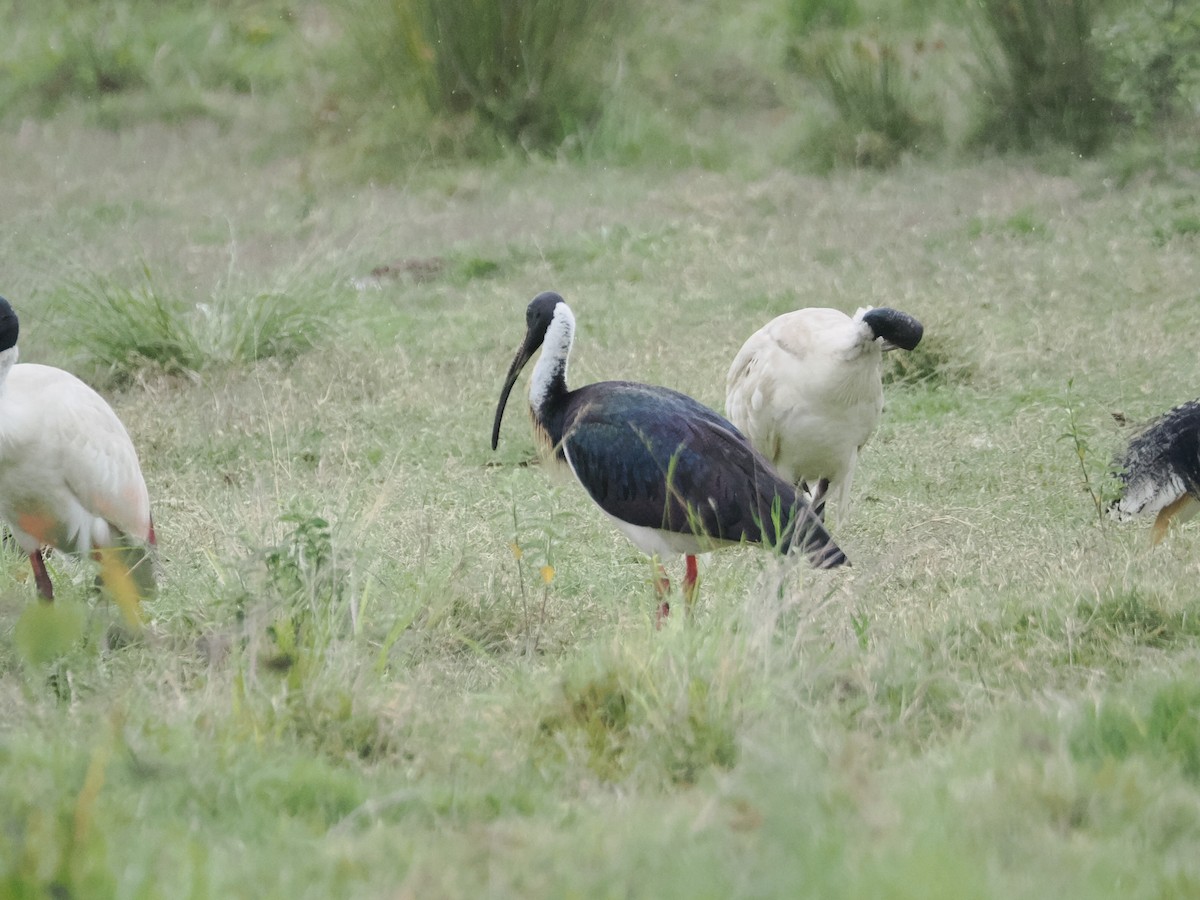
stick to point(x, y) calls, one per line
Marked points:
point(388, 662)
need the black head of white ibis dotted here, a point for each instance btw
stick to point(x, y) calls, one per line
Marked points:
point(672, 475)
point(807, 390)
point(1160, 471)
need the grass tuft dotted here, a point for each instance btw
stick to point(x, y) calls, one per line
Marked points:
point(475, 76)
point(1041, 75)
point(124, 329)
point(666, 719)
point(869, 82)
point(934, 361)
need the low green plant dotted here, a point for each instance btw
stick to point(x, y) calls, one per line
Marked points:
point(1041, 75)
point(1098, 480)
point(538, 552)
point(300, 615)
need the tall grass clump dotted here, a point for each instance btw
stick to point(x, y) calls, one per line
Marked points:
point(126, 328)
point(870, 84)
point(466, 76)
point(1041, 75)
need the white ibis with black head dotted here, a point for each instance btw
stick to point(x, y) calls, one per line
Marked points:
point(1160, 471)
point(69, 476)
point(672, 475)
point(807, 390)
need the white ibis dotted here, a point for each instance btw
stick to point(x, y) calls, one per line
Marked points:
point(69, 476)
point(672, 475)
point(1160, 472)
point(807, 390)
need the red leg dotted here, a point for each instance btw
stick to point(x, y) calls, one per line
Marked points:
point(40, 576)
point(690, 578)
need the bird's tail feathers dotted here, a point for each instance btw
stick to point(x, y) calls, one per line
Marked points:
point(127, 574)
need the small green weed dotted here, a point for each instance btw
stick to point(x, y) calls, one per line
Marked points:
point(300, 616)
point(1098, 480)
point(540, 553)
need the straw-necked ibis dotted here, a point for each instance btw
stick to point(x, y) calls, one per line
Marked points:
point(807, 390)
point(1160, 471)
point(69, 476)
point(672, 475)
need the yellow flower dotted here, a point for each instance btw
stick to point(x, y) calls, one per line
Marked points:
point(547, 574)
point(517, 552)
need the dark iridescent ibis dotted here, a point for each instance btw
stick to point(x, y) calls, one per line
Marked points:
point(1160, 471)
point(672, 475)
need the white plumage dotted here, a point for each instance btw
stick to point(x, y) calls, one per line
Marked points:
point(69, 475)
point(1160, 471)
point(807, 390)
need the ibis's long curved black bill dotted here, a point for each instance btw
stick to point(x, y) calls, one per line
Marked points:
point(510, 379)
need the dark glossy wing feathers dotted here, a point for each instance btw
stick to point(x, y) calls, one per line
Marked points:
point(656, 458)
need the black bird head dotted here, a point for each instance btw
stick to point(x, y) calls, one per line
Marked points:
point(896, 328)
point(538, 317)
point(9, 328)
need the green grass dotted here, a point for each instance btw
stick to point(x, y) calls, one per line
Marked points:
point(386, 661)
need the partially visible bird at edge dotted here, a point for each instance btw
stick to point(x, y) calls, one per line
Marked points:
point(807, 390)
point(70, 477)
point(1160, 471)
point(671, 474)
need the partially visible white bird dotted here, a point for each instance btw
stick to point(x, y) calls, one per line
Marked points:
point(69, 476)
point(807, 390)
point(1160, 471)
